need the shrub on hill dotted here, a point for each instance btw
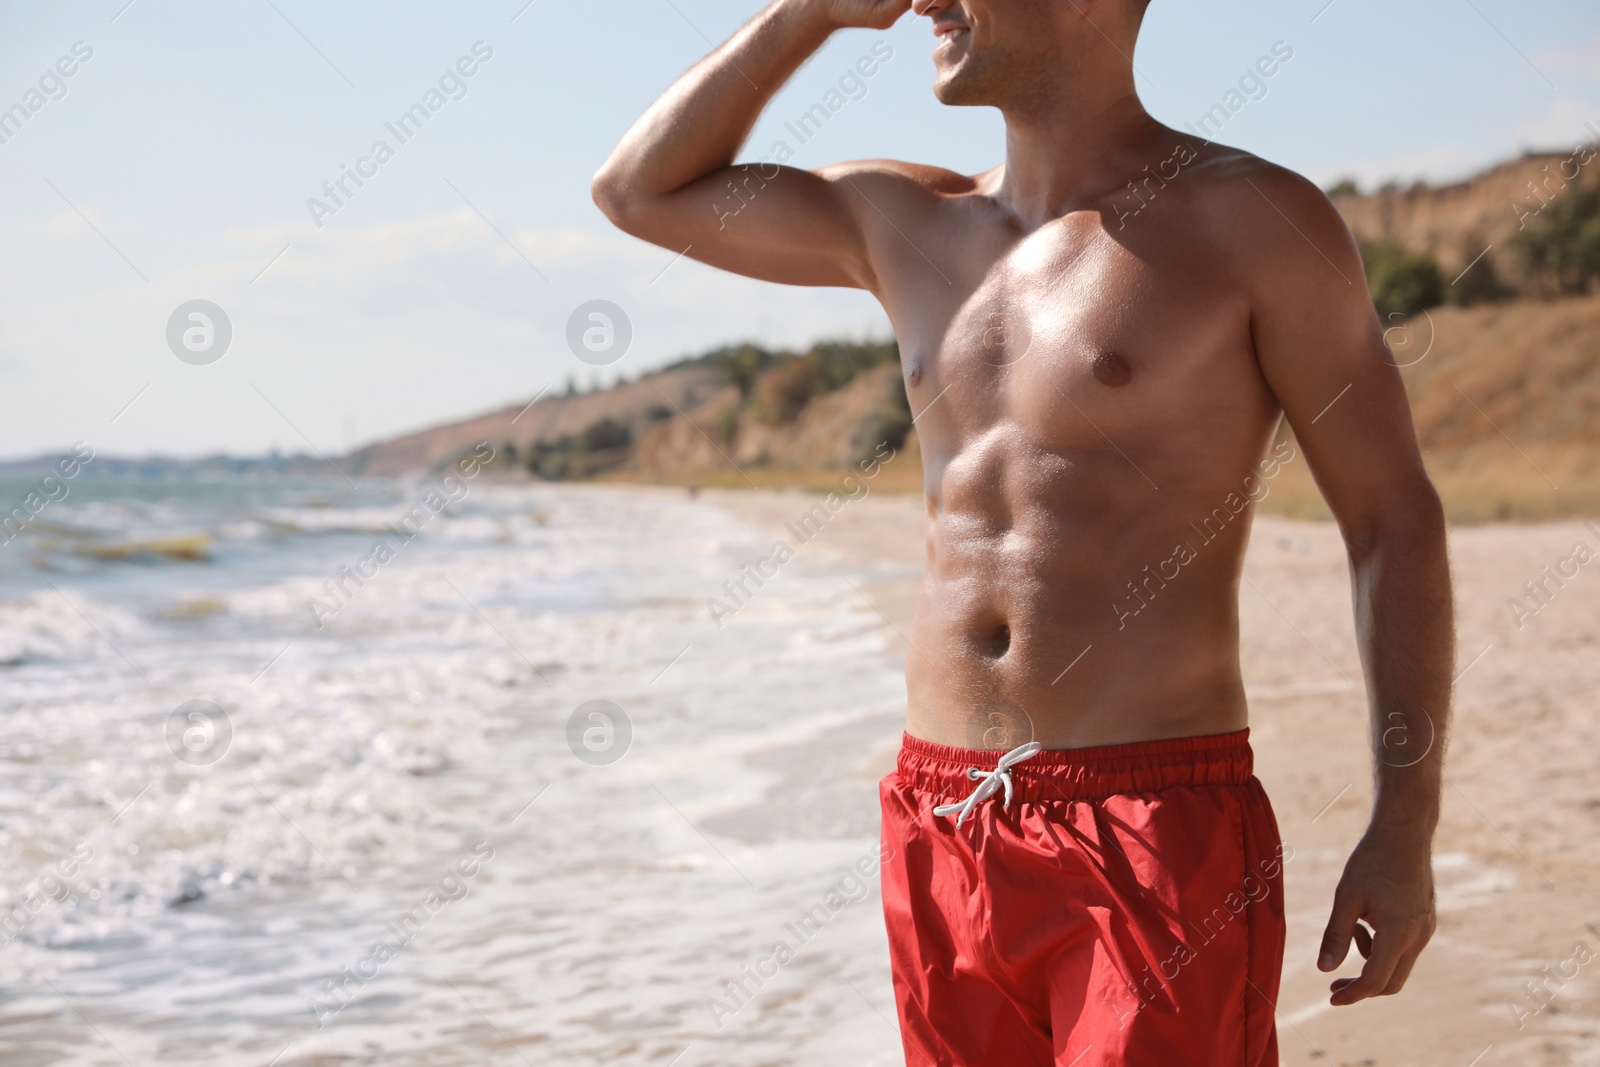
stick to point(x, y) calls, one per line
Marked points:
point(741, 365)
point(1561, 247)
point(841, 361)
point(1479, 283)
point(1401, 282)
point(602, 446)
point(883, 426)
point(791, 383)
point(785, 389)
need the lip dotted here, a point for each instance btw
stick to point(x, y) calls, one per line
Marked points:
point(950, 36)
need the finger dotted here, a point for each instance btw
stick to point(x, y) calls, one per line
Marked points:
point(1402, 971)
point(1341, 927)
point(1387, 948)
point(1363, 940)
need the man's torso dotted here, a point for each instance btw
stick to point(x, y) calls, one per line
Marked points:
point(1093, 425)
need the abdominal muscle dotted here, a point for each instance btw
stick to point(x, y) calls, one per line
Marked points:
point(1058, 607)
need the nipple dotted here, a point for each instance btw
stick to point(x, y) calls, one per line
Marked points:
point(1111, 369)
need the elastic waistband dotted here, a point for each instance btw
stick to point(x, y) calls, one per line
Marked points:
point(1083, 773)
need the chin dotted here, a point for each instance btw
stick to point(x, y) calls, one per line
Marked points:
point(961, 86)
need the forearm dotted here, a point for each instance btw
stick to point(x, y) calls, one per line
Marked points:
point(698, 126)
point(1405, 620)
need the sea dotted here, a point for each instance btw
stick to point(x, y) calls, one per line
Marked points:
point(435, 771)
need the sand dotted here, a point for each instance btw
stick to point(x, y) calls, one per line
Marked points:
point(1518, 870)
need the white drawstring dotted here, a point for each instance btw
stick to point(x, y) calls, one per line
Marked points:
point(993, 781)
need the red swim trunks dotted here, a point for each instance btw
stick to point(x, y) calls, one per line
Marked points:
point(1126, 909)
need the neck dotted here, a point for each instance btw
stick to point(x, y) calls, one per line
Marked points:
point(1071, 141)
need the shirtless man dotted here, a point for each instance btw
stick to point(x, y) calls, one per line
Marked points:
point(1099, 339)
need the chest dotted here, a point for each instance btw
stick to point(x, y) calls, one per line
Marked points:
point(1071, 336)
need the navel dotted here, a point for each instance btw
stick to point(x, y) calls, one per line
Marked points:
point(1111, 369)
point(1000, 641)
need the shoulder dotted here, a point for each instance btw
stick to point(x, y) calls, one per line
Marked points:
point(892, 176)
point(1266, 206)
point(1275, 226)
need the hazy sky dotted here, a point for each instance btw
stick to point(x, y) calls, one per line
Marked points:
point(176, 161)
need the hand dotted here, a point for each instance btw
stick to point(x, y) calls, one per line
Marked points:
point(865, 14)
point(1388, 883)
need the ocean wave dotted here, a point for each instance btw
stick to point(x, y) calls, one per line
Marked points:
point(188, 548)
point(47, 626)
point(330, 520)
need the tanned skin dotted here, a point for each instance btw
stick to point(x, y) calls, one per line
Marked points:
point(1091, 384)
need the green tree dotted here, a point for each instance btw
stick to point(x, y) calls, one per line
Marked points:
point(1561, 246)
point(1400, 282)
point(841, 361)
point(1478, 284)
point(606, 434)
point(741, 365)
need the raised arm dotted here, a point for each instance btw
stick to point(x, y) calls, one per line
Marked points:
point(1321, 347)
point(672, 180)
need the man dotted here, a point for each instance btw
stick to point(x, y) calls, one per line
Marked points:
point(1099, 338)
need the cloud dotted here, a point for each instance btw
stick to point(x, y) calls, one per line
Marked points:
point(1582, 60)
point(1564, 123)
point(64, 225)
point(399, 323)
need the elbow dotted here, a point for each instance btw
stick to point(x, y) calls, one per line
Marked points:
point(1415, 521)
point(617, 196)
point(607, 192)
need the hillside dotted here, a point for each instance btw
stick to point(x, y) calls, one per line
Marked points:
point(1491, 279)
point(1507, 408)
point(740, 415)
point(652, 398)
point(1455, 222)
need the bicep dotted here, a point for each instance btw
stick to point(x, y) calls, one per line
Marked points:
point(775, 223)
point(1321, 347)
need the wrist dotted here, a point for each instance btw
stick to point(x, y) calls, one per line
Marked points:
point(815, 16)
point(1413, 827)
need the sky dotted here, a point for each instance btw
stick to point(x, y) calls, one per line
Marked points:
point(176, 162)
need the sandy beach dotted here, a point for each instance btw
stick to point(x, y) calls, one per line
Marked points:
point(1518, 873)
point(410, 855)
